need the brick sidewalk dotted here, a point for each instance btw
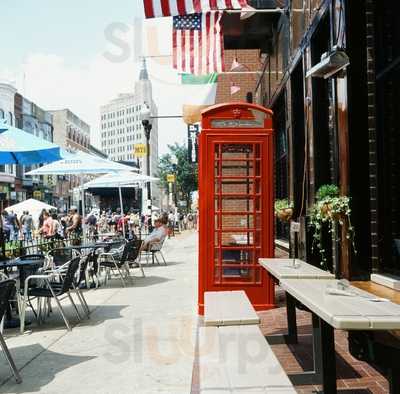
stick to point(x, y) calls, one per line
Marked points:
point(353, 376)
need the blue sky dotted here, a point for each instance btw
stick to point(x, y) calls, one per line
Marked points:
point(73, 29)
point(54, 51)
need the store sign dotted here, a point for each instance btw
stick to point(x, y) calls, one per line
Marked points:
point(140, 150)
point(295, 227)
point(171, 178)
point(236, 123)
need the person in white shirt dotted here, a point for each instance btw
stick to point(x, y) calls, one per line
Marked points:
point(157, 235)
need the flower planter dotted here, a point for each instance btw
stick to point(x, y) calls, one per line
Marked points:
point(285, 214)
point(326, 211)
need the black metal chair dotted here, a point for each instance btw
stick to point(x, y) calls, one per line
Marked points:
point(52, 289)
point(61, 256)
point(7, 288)
point(82, 278)
point(116, 261)
point(134, 254)
point(25, 272)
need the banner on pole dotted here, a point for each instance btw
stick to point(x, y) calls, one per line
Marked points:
point(193, 149)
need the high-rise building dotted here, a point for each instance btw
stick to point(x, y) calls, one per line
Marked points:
point(121, 127)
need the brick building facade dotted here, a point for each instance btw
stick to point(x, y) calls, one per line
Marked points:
point(250, 59)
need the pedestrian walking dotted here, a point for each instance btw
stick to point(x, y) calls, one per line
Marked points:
point(13, 225)
point(74, 229)
point(47, 230)
point(27, 226)
point(190, 221)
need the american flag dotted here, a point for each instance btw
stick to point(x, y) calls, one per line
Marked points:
point(159, 8)
point(197, 43)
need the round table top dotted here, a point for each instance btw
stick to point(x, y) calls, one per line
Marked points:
point(20, 263)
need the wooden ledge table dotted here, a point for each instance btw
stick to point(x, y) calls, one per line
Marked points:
point(291, 269)
point(358, 311)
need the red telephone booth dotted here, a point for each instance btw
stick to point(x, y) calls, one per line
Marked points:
point(236, 219)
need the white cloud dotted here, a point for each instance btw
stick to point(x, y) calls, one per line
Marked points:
point(53, 82)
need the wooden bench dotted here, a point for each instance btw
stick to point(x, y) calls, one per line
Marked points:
point(227, 308)
point(238, 359)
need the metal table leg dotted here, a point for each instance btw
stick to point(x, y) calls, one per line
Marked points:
point(291, 336)
point(323, 356)
point(10, 359)
point(291, 319)
point(394, 380)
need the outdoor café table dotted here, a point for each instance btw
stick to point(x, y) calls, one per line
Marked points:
point(21, 265)
point(354, 310)
point(291, 269)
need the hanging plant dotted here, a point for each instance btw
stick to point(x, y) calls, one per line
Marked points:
point(284, 210)
point(330, 209)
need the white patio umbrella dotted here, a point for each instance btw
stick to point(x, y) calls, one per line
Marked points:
point(80, 163)
point(120, 180)
point(35, 208)
point(125, 178)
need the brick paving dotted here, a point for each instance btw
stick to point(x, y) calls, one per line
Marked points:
point(353, 376)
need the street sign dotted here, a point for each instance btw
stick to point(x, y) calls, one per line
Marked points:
point(171, 178)
point(37, 195)
point(295, 227)
point(140, 150)
point(193, 150)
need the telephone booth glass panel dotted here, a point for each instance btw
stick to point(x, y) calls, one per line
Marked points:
point(237, 193)
point(235, 206)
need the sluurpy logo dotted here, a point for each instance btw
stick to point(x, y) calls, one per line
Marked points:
point(142, 39)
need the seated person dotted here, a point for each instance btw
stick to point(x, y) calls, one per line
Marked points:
point(157, 235)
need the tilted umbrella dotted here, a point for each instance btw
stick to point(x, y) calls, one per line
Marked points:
point(19, 147)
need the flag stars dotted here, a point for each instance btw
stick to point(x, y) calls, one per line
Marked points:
point(187, 22)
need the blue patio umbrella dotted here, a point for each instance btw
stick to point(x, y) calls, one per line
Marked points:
point(20, 147)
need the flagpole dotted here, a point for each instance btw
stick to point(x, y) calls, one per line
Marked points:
point(239, 72)
point(257, 11)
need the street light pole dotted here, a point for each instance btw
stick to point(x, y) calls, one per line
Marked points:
point(174, 162)
point(147, 126)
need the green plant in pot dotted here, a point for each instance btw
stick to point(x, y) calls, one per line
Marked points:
point(330, 209)
point(284, 210)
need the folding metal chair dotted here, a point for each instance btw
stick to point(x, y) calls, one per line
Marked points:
point(7, 287)
point(52, 289)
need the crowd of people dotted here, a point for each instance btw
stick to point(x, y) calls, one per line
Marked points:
point(50, 225)
point(54, 225)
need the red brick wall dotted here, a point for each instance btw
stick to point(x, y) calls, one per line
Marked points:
point(246, 82)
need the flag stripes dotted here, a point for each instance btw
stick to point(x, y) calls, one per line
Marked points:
point(159, 8)
point(198, 43)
